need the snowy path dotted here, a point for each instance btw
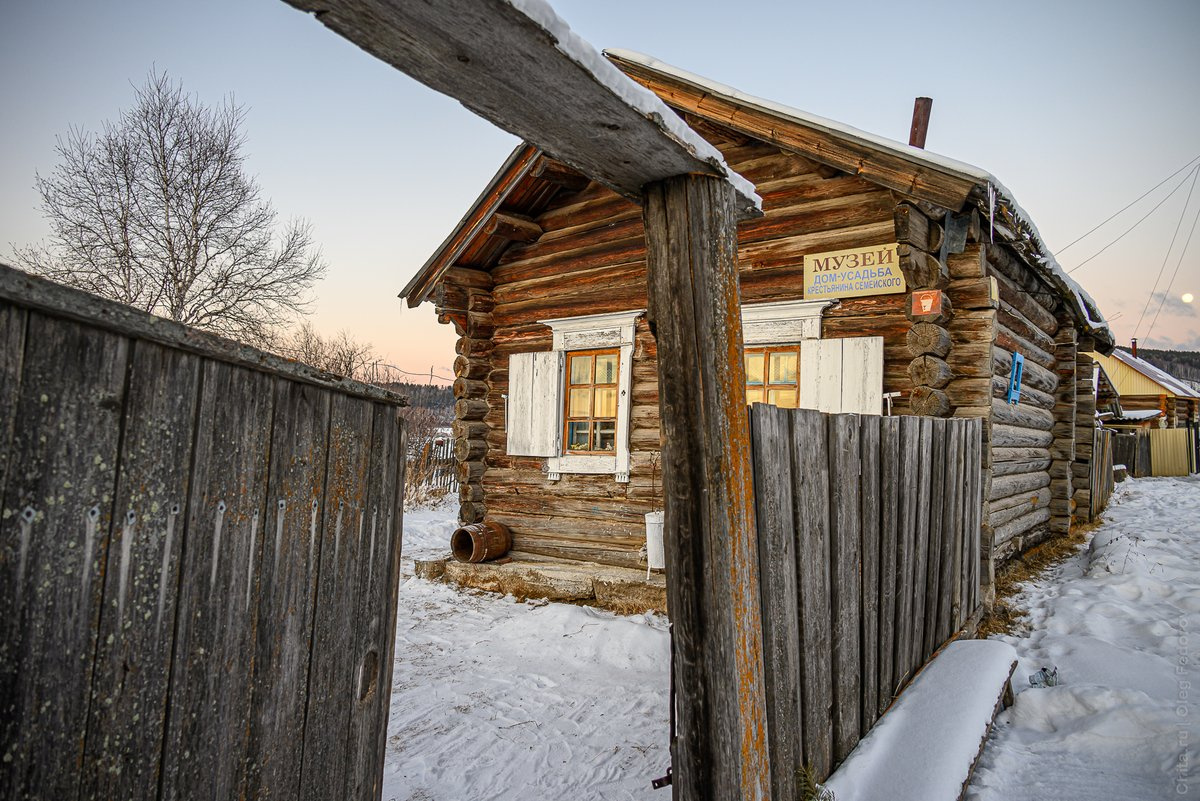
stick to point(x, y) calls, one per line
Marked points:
point(1121, 621)
point(493, 699)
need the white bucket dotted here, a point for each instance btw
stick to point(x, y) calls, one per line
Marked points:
point(655, 555)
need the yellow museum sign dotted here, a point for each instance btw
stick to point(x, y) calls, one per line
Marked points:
point(873, 270)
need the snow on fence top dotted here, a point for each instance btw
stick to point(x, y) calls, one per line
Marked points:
point(991, 196)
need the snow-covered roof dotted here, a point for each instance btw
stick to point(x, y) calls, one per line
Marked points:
point(1168, 381)
point(1140, 414)
point(993, 198)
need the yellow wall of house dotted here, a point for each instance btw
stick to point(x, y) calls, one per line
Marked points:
point(1129, 381)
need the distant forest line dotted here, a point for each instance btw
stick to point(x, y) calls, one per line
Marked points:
point(1183, 364)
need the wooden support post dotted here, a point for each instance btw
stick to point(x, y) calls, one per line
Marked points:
point(720, 750)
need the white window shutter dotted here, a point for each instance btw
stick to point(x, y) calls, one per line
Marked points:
point(842, 375)
point(862, 375)
point(821, 374)
point(533, 401)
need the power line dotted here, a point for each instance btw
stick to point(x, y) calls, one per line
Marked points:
point(1174, 273)
point(1167, 257)
point(1136, 224)
point(1148, 191)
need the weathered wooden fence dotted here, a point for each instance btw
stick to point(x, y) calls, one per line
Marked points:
point(869, 554)
point(199, 547)
point(1132, 449)
point(1101, 480)
point(1157, 452)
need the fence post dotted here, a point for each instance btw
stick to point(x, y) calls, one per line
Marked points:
point(712, 560)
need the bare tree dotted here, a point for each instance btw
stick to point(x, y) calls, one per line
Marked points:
point(156, 211)
point(340, 354)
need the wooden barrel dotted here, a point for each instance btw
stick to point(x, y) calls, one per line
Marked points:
point(479, 542)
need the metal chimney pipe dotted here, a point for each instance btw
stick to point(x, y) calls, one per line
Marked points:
point(920, 121)
point(1134, 348)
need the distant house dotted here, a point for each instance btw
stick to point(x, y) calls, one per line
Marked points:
point(882, 278)
point(1144, 388)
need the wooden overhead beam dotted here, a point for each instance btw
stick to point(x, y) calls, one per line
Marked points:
point(524, 70)
point(536, 79)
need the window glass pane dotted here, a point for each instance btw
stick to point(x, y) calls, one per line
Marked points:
point(754, 396)
point(581, 370)
point(605, 436)
point(754, 368)
point(606, 368)
point(580, 404)
point(783, 368)
point(784, 398)
point(606, 402)
point(577, 436)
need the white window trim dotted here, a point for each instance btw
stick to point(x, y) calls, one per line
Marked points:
point(782, 322)
point(590, 332)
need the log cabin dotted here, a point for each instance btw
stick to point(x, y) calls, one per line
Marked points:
point(1144, 387)
point(881, 278)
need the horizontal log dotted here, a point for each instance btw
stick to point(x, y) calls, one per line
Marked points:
point(1021, 415)
point(469, 388)
point(929, 402)
point(471, 471)
point(1006, 436)
point(1014, 343)
point(512, 227)
point(1025, 303)
point(970, 392)
point(1019, 506)
point(1023, 466)
point(914, 228)
point(971, 263)
point(465, 367)
point(469, 429)
point(971, 293)
point(472, 347)
point(467, 450)
point(1017, 454)
point(1029, 395)
point(1032, 374)
point(927, 338)
point(470, 409)
point(1024, 523)
point(929, 371)
point(556, 172)
point(921, 270)
point(1005, 486)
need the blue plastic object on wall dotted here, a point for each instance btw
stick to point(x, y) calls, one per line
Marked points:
point(1014, 379)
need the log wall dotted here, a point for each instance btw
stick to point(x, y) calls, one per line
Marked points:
point(590, 259)
point(1022, 437)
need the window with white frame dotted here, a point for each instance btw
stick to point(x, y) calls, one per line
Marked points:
point(788, 364)
point(572, 404)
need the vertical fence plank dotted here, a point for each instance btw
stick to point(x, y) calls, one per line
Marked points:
point(331, 672)
point(12, 356)
point(953, 526)
point(775, 515)
point(975, 518)
point(921, 542)
point(889, 508)
point(845, 581)
point(869, 549)
point(393, 529)
point(137, 620)
point(939, 491)
point(375, 627)
point(810, 456)
point(909, 487)
point(206, 742)
point(957, 550)
point(287, 588)
point(54, 527)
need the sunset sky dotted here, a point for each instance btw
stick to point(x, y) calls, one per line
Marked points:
point(1078, 107)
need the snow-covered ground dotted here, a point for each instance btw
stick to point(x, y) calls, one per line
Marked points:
point(1121, 622)
point(494, 699)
